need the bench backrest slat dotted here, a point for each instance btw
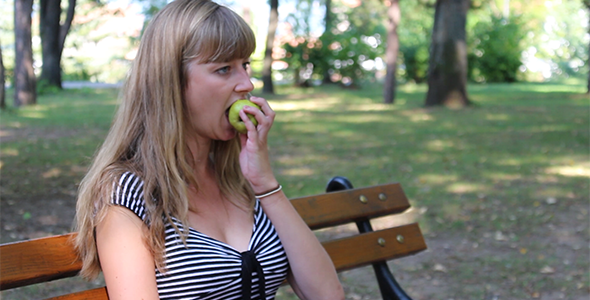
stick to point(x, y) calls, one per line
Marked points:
point(39, 260)
point(342, 207)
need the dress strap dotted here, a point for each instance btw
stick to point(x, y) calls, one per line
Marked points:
point(249, 265)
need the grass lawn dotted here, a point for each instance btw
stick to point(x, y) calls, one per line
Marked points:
point(501, 189)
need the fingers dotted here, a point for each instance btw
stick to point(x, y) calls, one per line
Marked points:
point(265, 116)
point(264, 106)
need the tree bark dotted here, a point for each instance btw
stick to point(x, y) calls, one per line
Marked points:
point(587, 3)
point(24, 75)
point(393, 17)
point(53, 37)
point(447, 73)
point(273, 22)
point(2, 82)
point(327, 79)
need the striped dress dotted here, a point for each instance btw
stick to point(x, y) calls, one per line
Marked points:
point(207, 268)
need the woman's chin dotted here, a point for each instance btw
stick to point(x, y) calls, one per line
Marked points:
point(230, 134)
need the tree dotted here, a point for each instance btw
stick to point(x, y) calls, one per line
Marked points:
point(2, 82)
point(393, 17)
point(447, 73)
point(53, 36)
point(24, 75)
point(270, 38)
point(587, 3)
point(327, 79)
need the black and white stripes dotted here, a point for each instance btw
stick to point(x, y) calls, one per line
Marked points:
point(207, 268)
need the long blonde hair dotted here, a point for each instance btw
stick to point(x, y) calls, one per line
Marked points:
point(148, 134)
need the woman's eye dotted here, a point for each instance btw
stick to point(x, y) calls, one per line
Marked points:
point(223, 70)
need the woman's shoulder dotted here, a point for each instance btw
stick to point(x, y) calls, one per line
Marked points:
point(128, 192)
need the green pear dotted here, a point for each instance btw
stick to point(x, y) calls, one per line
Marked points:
point(234, 115)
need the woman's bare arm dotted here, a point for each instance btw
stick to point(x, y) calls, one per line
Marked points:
point(127, 264)
point(312, 272)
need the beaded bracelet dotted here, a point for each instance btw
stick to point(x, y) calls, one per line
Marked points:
point(274, 191)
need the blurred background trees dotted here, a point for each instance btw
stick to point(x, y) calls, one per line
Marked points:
point(346, 44)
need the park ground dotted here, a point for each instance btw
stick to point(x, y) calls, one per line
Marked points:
point(501, 189)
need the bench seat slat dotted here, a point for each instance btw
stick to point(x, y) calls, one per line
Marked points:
point(93, 294)
point(364, 249)
point(342, 207)
point(38, 260)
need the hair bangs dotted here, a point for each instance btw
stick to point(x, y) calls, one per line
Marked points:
point(223, 37)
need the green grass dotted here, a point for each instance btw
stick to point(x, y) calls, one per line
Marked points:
point(510, 174)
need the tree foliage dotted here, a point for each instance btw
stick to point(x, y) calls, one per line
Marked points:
point(349, 51)
point(495, 50)
point(414, 34)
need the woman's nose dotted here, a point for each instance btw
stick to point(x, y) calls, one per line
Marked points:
point(244, 85)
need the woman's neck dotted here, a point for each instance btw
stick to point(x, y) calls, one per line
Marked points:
point(199, 150)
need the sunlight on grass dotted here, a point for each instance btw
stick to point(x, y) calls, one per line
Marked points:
point(373, 107)
point(421, 117)
point(497, 117)
point(33, 114)
point(510, 162)
point(467, 187)
point(582, 170)
point(53, 172)
point(303, 171)
point(437, 178)
point(364, 118)
point(9, 152)
point(311, 104)
point(6, 133)
point(502, 176)
point(440, 145)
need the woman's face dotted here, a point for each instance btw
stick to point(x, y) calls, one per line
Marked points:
point(211, 89)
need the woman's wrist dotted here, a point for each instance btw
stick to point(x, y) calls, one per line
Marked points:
point(265, 186)
point(270, 192)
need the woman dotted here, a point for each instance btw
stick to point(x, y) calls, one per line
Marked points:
point(177, 204)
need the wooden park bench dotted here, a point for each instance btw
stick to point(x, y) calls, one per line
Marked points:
point(40, 260)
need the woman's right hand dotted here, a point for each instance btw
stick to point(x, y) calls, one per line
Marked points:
point(254, 158)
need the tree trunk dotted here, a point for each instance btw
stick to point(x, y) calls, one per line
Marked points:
point(447, 72)
point(270, 38)
point(2, 82)
point(327, 27)
point(24, 75)
point(588, 62)
point(393, 16)
point(53, 36)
